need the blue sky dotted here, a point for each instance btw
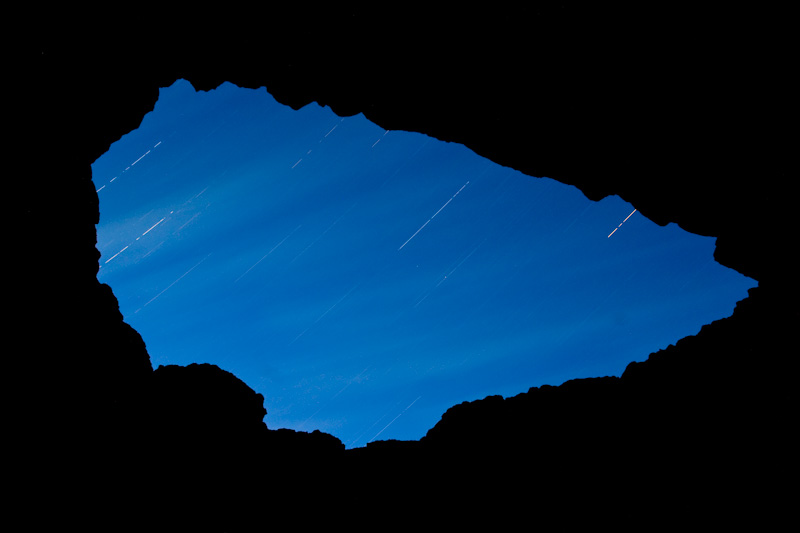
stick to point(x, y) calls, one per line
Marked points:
point(365, 280)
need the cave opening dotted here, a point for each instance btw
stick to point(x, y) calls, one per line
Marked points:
point(365, 280)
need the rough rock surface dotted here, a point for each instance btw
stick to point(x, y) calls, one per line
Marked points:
point(683, 112)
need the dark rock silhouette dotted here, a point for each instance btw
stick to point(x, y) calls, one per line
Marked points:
point(195, 400)
point(680, 113)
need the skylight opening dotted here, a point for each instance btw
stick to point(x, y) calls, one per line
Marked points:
point(365, 280)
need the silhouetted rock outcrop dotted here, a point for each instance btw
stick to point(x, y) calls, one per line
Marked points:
point(203, 411)
point(679, 113)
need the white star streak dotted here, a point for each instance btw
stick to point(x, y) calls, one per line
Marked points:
point(434, 215)
point(129, 167)
point(189, 221)
point(415, 234)
point(621, 223)
point(265, 255)
point(140, 236)
point(445, 205)
point(323, 314)
point(152, 227)
point(395, 418)
point(142, 157)
point(153, 249)
point(198, 194)
point(379, 140)
point(116, 254)
point(323, 233)
point(171, 284)
point(322, 139)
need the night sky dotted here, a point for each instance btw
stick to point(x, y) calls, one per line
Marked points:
point(365, 280)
